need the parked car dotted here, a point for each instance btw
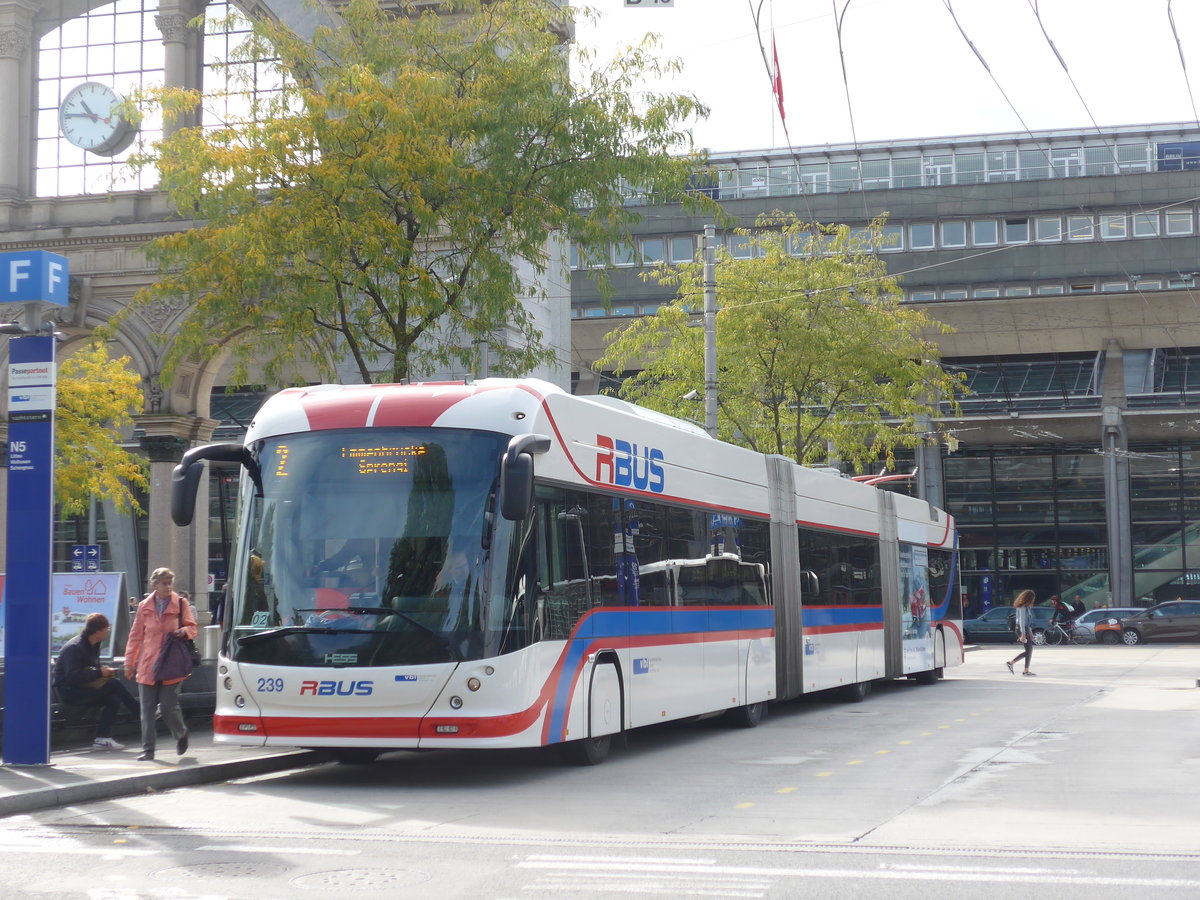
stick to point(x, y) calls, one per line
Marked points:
point(1107, 626)
point(1176, 620)
point(993, 625)
point(1095, 623)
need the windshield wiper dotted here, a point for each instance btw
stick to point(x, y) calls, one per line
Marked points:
point(383, 610)
point(260, 637)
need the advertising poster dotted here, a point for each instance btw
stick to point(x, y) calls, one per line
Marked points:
point(74, 596)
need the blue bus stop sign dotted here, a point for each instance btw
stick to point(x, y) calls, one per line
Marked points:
point(31, 389)
point(32, 275)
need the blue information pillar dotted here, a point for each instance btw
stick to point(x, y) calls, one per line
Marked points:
point(31, 390)
point(29, 278)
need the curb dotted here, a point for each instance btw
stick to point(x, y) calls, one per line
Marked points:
point(88, 791)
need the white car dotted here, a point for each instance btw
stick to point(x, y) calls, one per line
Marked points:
point(1087, 622)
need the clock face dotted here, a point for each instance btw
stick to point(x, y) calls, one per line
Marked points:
point(90, 118)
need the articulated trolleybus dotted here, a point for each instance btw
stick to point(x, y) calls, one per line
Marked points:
point(503, 564)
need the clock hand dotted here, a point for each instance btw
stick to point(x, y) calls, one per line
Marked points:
point(88, 109)
point(91, 116)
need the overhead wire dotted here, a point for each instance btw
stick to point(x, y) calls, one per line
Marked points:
point(1182, 61)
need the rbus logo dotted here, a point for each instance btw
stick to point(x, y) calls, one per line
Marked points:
point(337, 688)
point(626, 465)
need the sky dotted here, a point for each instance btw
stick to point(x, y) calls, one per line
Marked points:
point(909, 71)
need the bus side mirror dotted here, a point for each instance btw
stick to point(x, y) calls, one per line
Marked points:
point(185, 479)
point(516, 475)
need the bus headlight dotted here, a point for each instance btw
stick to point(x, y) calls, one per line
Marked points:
point(239, 701)
point(473, 683)
point(227, 683)
point(456, 702)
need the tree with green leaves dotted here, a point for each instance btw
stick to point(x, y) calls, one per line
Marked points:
point(97, 399)
point(382, 205)
point(816, 355)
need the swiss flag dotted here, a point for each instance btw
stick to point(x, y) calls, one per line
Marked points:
point(777, 80)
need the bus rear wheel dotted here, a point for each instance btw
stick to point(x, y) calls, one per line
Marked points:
point(747, 716)
point(586, 752)
point(854, 693)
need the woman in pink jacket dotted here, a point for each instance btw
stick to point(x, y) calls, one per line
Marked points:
point(162, 612)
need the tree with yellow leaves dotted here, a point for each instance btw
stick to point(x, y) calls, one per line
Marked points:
point(382, 206)
point(97, 398)
point(816, 355)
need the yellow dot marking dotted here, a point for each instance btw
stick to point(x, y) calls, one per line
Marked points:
point(824, 774)
point(943, 726)
point(926, 733)
point(854, 762)
point(882, 752)
point(960, 720)
point(743, 806)
point(975, 714)
point(905, 742)
point(120, 841)
point(786, 790)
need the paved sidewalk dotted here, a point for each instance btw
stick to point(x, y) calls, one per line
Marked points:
point(83, 775)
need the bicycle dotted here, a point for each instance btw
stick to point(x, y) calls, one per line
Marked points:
point(1056, 633)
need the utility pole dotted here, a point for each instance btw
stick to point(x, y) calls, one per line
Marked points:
point(710, 330)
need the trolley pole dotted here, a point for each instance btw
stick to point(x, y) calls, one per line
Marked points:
point(710, 330)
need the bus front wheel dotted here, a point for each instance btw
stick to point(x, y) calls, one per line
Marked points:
point(586, 752)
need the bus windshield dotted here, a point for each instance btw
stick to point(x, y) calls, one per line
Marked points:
point(367, 547)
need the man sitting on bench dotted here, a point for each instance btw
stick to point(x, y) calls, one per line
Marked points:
point(82, 681)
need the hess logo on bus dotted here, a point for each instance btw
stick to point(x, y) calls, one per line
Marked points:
point(627, 465)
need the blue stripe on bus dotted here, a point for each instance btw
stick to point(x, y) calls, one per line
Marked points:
point(643, 622)
point(834, 616)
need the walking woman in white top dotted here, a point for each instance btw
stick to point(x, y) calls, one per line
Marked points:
point(1023, 605)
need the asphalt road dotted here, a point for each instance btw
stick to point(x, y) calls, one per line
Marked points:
point(1081, 783)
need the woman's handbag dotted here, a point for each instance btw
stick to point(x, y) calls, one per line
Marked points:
point(193, 651)
point(174, 660)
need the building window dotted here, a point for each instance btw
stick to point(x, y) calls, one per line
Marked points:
point(920, 236)
point(1020, 290)
point(1050, 289)
point(984, 233)
point(954, 234)
point(1179, 221)
point(1114, 286)
point(594, 312)
point(1083, 287)
point(740, 246)
point(1152, 284)
point(1016, 231)
point(653, 250)
point(682, 250)
point(752, 182)
point(987, 292)
point(922, 296)
point(1112, 226)
point(1146, 225)
point(1049, 228)
point(622, 254)
point(892, 238)
point(1081, 228)
point(117, 45)
point(956, 294)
